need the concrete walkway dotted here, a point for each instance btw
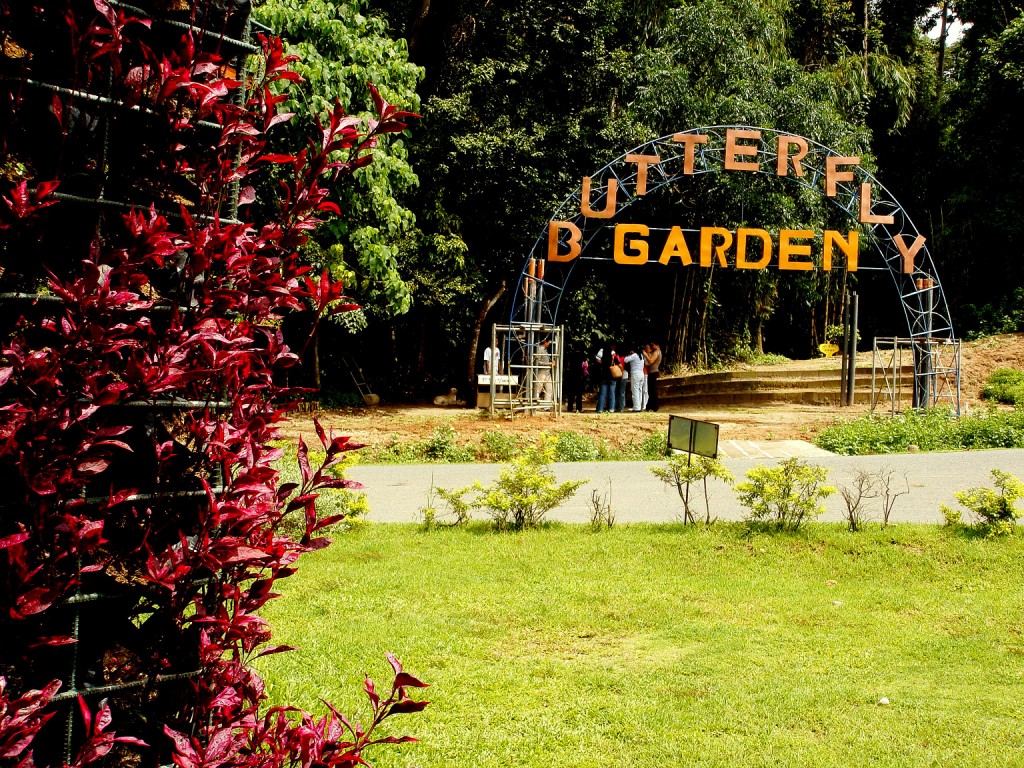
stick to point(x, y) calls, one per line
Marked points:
point(397, 493)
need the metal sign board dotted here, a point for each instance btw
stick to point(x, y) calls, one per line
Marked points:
point(692, 436)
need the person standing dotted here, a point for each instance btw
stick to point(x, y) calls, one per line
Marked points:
point(653, 360)
point(543, 362)
point(575, 380)
point(607, 365)
point(492, 360)
point(634, 363)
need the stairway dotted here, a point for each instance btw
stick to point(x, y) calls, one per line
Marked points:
point(811, 382)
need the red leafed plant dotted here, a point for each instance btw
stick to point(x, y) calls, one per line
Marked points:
point(142, 378)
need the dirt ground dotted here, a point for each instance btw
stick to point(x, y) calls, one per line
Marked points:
point(782, 421)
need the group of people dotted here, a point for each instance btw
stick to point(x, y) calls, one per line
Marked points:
point(615, 376)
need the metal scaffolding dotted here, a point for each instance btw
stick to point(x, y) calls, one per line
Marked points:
point(921, 373)
point(529, 379)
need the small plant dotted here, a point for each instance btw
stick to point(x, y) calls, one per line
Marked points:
point(499, 446)
point(601, 515)
point(1005, 385)
point(995, 511)
point(888, 491)
point(785, 496)
point(441, 447)
point(523, 494)
point(651, 447)
point(863, 487)
point(575, 446)
point(681, 471)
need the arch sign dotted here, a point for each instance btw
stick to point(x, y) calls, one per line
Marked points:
point(876, 222)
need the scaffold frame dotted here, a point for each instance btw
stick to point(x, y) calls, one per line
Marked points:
point(935, 380)
point(529, 378)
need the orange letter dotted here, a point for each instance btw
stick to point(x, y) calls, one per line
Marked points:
point(741, 248)
point(609, 206)
point(691, 140)
point(732, 149)
point(675, 245)
point(784, 143)
point(908, 253)
point(850, 248)
point(866, 216)
point(642, 161)
point(788, 249)
point(640, 256)
point(833, 176)
point(706, 244)
point(575, 235)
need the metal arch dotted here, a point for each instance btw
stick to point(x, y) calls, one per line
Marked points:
point(926, 309)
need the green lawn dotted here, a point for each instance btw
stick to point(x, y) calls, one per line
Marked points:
point(668, 646)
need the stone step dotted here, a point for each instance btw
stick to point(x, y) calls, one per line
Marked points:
point(760, 397)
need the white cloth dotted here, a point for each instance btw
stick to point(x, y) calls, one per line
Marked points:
point(492, 353)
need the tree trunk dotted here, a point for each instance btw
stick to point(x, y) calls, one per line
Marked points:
point(474, 342)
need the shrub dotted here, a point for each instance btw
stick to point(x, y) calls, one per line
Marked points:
point(574, 446)
point(680, 471)
point(441, 447)
point(994, 511)
point(935, 429)
point(1005, 385)
point(142, 528)
point(785, 496)
point(523, 494)
point(651, 447)
point(499, 446)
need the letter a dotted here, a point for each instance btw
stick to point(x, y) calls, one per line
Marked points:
point(675, 246)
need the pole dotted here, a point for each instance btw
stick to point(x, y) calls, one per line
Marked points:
point(851, 366)
point(846, 347)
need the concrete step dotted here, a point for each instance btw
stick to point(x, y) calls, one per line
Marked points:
point(816, 382)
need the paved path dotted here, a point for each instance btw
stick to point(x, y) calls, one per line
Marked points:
point(396, 493)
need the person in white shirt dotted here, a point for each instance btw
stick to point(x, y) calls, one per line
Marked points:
point(492, 354)
point(635, 365)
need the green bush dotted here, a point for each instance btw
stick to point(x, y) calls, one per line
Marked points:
point(441, 447)
point(1005, 385)
point(784, 496)
point(651, 447)
point(574, 446)
point(499, 446)
point(936, 429)
point(523, 494)
point(994, 512)
point(681, 471)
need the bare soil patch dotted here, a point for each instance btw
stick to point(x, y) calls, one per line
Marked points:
point(777, 421)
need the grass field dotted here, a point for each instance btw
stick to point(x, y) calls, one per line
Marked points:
point(669, 646)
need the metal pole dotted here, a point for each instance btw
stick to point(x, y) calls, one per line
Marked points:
point(851, 366)
point(929, 305)
point(846, 347)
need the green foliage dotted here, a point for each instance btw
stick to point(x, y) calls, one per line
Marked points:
point(784, 496)
point(936, 429)
point(499, 446)
point(682, 470)
point(441, 447)
point(341, 48)
point(523, 494)
point(651, 447)
point(1005, 385)
point(575, 446)
point(995, 511)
